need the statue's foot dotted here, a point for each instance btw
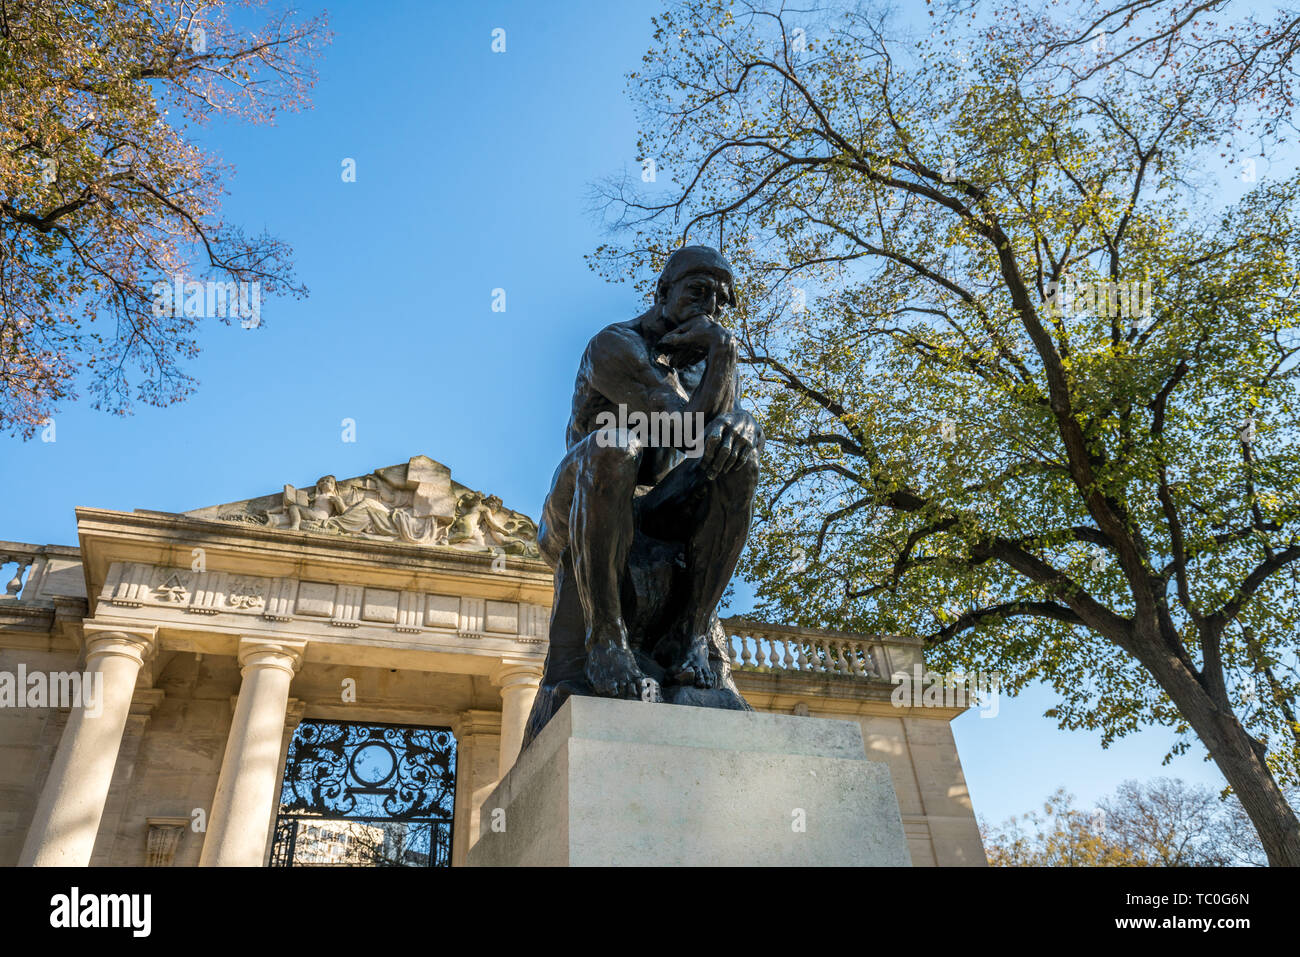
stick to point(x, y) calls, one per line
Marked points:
point(613, 673)
point(694, 668)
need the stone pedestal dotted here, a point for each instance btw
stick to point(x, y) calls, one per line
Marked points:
point(624, 782)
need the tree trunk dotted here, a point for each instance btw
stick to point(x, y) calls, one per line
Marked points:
point(1233, 751)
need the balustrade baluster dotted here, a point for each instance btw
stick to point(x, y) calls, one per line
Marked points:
point(855, 663)
point(871, 661)
point(16, 584)
point(749, 655)
point(787, 660)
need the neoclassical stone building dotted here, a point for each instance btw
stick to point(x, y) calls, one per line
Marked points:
point(341, 674)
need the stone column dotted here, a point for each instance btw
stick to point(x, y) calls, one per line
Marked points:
point(292, 718)
point(72, 802)
point(237, 824)
point(518, 679)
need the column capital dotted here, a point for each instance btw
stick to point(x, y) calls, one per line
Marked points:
point(101, 639)
point(283, 653)
point(514, 670)
point(165, 835)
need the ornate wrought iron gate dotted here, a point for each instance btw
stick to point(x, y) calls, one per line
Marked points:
point(366, 795)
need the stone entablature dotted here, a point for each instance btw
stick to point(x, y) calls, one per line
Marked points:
point(207, 583)
point(137, 585)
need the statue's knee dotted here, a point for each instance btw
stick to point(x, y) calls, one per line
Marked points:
point(616, 450)
point(741, 481)
point(746, 470)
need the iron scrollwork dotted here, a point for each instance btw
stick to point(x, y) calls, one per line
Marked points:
point(373, 773)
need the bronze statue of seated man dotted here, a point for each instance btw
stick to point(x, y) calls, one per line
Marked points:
point(651, 505)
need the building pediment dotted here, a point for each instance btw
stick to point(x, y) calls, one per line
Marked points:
point(415, 502)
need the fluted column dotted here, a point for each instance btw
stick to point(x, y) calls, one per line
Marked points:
point(518, 679)
point(237, 824)
point(63, 829)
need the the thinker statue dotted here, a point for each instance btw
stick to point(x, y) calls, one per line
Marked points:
point(651, 505)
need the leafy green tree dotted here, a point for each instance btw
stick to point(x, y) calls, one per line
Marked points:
point(1026, 366)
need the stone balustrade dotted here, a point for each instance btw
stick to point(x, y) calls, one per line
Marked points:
point(762, 647)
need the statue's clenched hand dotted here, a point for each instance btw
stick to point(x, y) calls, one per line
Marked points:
point(730, 440)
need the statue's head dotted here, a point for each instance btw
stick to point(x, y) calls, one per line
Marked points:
point(696, 280)
point(325, 484)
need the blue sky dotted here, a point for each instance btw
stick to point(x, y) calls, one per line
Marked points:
point(472, 173)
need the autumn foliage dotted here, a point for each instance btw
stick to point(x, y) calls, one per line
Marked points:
point(103, 192)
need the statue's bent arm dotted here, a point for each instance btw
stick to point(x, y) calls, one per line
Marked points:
point(621, 369)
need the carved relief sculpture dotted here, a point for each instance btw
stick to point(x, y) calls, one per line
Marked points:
point(416, 503)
